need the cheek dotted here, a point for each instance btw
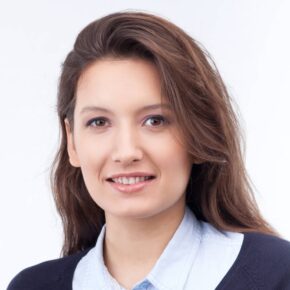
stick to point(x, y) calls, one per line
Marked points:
point(174, 163)
point(92, 155)
point(173, 155)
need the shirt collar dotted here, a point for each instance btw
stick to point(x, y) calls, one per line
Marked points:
point(178, 254)
point(166, 274)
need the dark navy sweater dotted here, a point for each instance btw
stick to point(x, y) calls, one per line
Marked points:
point(262, 264)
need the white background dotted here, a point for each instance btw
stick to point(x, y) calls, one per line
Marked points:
point(250, 43)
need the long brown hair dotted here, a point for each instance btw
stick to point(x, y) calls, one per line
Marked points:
point(219, 190)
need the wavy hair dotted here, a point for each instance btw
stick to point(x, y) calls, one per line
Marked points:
point(219, 190)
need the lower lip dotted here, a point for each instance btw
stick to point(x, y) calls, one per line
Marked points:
point(129, 188)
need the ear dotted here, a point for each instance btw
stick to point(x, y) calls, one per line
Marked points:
point(71, 150)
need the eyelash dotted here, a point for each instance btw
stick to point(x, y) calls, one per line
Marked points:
point(158, 117)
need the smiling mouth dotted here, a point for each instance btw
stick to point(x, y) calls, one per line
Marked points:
point(131, 180)
point(129, 186)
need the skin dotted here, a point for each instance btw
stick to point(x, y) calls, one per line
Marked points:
point(139, 225)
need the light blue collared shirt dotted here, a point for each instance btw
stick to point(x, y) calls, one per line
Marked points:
point(198, 255)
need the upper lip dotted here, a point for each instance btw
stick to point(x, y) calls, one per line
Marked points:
point(132, 174)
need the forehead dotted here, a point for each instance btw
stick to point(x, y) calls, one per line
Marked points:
point(119, 81)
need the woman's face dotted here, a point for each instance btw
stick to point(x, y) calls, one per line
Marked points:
point(121, 128)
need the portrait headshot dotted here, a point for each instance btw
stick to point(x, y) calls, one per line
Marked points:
point(148, 146)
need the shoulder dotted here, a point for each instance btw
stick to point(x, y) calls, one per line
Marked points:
point(263, 263)
point(52, 274)
point(267, 248)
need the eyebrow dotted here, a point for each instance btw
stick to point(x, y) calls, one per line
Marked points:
point(141, 110)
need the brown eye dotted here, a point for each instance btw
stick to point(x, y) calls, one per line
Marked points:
point(97, 122)
point(156, 121)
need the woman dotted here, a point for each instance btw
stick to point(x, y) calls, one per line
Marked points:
point(152, 205)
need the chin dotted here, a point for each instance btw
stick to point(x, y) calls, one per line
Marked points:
point(134, 211)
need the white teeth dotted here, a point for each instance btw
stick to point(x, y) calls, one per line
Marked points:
point(130, 180)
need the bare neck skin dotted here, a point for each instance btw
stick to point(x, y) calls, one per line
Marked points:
point(132, 246)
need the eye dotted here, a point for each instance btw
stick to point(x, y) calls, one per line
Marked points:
point(157, 121)
point(97, 122)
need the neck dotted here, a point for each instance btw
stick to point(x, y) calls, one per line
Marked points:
point(132, 246)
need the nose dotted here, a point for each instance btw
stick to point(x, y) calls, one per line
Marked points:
point(126, 148)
